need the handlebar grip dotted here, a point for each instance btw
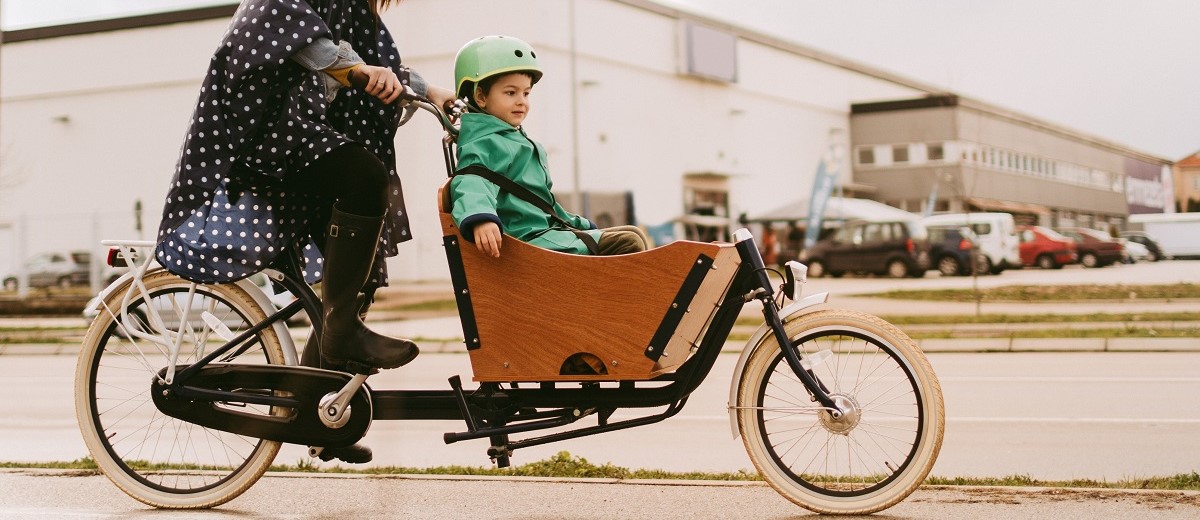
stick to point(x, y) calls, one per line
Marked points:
point(358, 81)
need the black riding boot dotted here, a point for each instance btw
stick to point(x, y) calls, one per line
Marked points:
point(345, 340)
point(358, 453)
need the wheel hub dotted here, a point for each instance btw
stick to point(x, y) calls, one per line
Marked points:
point(851, 414)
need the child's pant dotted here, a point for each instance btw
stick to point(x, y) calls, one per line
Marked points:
point(622, 240)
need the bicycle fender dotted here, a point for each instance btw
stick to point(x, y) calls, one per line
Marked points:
point(788, 313)
point(280, 328)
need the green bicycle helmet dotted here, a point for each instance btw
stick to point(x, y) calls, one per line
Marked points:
point(489, 56)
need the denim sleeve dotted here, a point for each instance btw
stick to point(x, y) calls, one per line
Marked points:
point(416, 82)
point(323, 54)
point(318, 55)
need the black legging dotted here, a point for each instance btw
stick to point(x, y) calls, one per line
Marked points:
point(350, 174)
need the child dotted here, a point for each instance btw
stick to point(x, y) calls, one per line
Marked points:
point(496, 74)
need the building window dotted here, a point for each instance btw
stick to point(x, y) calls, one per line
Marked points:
point(709, 53)
point(900, 153)
point(935, 151)
point(866, 155)
point(1196, 182)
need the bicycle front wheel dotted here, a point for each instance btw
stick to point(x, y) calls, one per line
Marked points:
point(866, 460)
point(157, 459)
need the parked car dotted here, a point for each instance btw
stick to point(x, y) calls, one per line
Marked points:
point(1095, 248)
point(1045, 248)
point(1152, 246)
point(995, 234)
point(55, 269)
point(897, 248)
point(1134, 252)
point(952, 249)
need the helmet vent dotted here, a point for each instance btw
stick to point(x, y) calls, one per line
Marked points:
point(518, 53)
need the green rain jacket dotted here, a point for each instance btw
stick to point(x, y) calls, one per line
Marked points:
point(485, 140)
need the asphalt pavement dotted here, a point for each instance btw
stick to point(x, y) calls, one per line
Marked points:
point(40, 494)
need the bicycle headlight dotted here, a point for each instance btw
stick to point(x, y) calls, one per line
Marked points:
point(794, 277)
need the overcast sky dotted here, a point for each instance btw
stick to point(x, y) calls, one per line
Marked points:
point(1123, 70)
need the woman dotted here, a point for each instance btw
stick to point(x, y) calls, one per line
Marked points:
point(280, 153)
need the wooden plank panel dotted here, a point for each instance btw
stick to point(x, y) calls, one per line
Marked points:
point(534, 308)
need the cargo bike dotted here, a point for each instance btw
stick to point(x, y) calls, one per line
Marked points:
point(186, 391)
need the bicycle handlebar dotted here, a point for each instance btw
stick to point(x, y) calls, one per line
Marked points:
point(409, 97)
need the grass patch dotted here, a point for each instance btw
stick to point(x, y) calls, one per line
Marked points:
point(425, 306)
point(1119, 332)
point(1035, 293)
point(943, 319)
point(36, 340)
point(959, 319)
point(80, 328)
point(84, 463)
point(564, 465)
point(1180, 482)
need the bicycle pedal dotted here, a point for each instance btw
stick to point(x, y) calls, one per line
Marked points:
point(355, 367)
point(353, 454)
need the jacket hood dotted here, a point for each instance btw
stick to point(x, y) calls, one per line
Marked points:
point(476, 126)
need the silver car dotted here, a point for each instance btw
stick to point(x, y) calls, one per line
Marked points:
point(55, 269)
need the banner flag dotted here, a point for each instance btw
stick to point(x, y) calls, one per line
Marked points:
point(823, 185)
point(929, 204)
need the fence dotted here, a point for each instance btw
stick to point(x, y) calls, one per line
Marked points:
point(24, 236)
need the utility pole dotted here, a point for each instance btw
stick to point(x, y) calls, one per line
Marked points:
point(577, 192)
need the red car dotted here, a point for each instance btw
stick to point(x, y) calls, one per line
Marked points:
point(1045, 248)
point(1095, 248)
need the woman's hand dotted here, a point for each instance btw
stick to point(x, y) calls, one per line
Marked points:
point(487, 238)
point(380, 82)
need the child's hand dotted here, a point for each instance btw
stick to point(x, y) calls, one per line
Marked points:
point(487, 238)
point(439, 96)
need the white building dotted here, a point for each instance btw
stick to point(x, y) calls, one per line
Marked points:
point(92, 115)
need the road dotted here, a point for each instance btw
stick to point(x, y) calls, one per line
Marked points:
point(55, 494)
point(1102, 416)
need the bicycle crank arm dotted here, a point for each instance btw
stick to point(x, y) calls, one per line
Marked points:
point(278, 403)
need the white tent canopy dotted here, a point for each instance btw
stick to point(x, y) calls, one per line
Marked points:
point(836, 209)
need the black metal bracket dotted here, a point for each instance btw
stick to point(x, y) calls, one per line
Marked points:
point(679, 306)
point(462, 295)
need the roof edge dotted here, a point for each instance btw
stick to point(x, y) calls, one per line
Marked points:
point(953, 100)
point(116, 24)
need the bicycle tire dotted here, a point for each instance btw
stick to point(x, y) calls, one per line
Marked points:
point(159, 460)
point(868, 460)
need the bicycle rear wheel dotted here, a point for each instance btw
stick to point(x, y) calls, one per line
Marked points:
point(879, 451)
point(156, 459)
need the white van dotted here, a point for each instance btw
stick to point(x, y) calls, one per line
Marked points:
point(995, 233)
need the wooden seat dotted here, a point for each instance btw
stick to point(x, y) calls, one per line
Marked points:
point(528, 314)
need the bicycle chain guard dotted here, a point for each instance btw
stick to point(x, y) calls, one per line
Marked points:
point(212, 397)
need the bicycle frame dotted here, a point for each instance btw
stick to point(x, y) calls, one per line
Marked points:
point(491, 410)
point(185, 391)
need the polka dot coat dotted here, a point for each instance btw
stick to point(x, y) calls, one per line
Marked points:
point(260, 116)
